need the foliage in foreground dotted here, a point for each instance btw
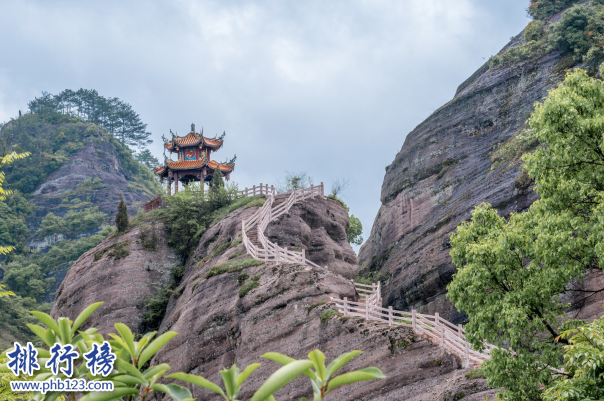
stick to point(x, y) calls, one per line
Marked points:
point(511, 272)
point(584, 358)
point(134, 379)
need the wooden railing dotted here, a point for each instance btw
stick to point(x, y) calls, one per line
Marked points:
point(156, 203)
point(435, 328)
point(262, 189)
point(269, 251)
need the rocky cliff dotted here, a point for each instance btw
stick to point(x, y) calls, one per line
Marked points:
point(444, 169)
point(229, 308)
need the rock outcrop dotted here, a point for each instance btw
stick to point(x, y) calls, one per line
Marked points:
point(320, 228)
point(119, 272)
point(285, 311)
point(443, 171)
point(219, 326)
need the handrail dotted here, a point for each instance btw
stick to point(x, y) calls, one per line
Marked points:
point(259, 221)
point(434, 327)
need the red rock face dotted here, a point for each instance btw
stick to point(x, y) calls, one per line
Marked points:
point(217, 327)
point(122, 284)
point(442, 173)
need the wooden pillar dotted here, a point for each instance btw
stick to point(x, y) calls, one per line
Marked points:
point(169, 187)
point(345, 306)
point(414, 319)
point(175, 183)
point(304, 257)
point(436, 319)
point(390, 322)
point(442, 336)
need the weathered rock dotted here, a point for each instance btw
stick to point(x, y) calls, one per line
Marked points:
point(442, 172)
point(98, 159)
point(319, 227)
point(217, 327)
point(122, 284)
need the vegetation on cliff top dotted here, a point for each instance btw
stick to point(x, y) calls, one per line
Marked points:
point(50, 138)
point(511, 272)
point(579, 33)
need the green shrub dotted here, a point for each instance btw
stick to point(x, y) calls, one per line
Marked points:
point(255, 203)
point(327, 314)
point(73, 223)
point(534, 31)
point(233, 266)
point(580, 32)
point(543, 9)
point(235, 254)
point(247, 287)
point(313, 306)
point(242, 277)
point(156, 304)
point(475, 374)
point(522, 142)
point(119, 250)
point(525, 51)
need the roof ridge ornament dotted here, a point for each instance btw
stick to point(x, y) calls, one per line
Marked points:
point(192, 127)
point(221, 137)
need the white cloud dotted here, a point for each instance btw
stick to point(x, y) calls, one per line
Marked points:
point(331, 87)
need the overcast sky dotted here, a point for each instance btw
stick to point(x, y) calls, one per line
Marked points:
point(328, 87)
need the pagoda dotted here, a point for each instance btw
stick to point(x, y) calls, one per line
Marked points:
point(194, 163)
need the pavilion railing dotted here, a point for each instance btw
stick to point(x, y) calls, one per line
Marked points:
point(435, 328)
point(257, 223)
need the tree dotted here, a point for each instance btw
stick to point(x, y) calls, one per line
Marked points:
point(584, 358)
point(338, 187)
point(112, 114)
point(293, 181)
point(511, 273)
point(7, 158)
point(355, 229)
point(218, 193)
point(121, 218)
point(146, 157)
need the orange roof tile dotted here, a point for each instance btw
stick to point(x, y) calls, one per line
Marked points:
point(186, 164)
point(192, 139)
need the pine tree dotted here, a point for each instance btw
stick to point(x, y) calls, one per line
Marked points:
point(121, 218)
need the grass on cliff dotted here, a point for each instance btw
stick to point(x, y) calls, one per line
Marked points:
point(514, 148)
point(233, 266)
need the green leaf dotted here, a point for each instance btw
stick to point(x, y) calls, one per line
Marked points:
point(284, 360)
point(116, 394)
point(230, 379)
point(85, 314)
point(127, 336)
point(65, 330)
point(246, 373)
point(47, 320)
point(155, 346)
point(318, 359)
point(124, 366)
point(280, 378)
point(355, 376)
point(128, 379)
point(40, 332)
point(340, 361)
point(198, 381)
point(152, 371)
point(178, 393)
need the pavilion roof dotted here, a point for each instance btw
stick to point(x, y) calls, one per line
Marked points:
point(179, 165)
point(194, 139)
